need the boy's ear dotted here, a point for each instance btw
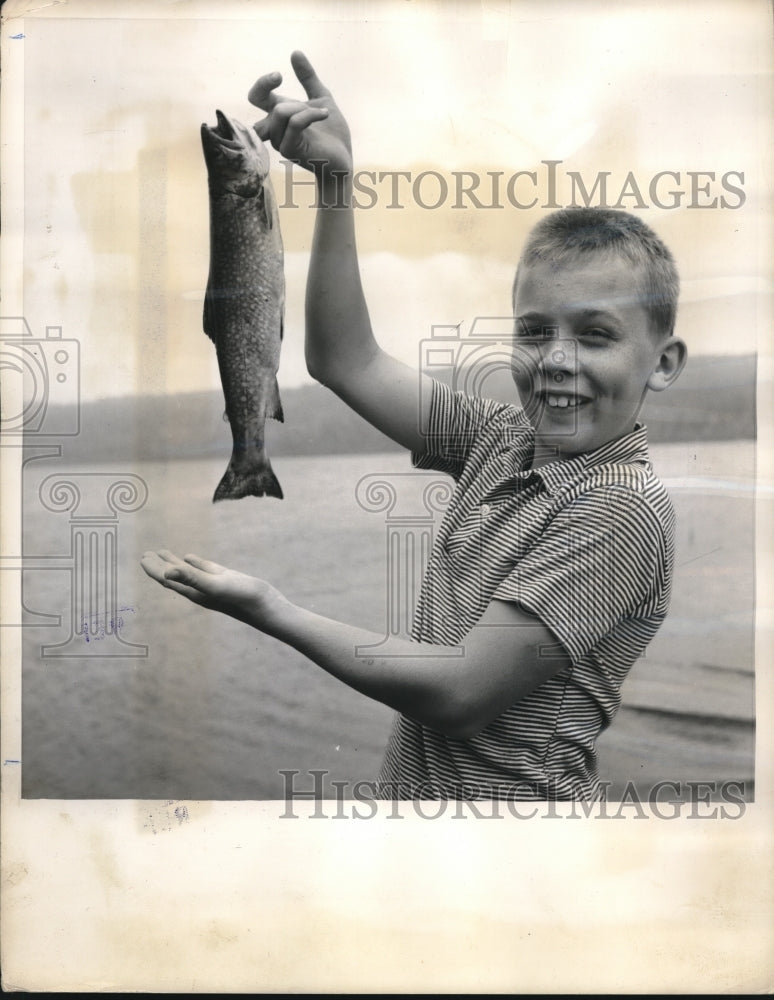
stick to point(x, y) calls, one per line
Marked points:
point(671, 362)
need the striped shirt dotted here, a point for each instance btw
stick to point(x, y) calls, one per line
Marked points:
point(585, 545)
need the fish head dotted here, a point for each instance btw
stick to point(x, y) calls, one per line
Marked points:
point(237, 161)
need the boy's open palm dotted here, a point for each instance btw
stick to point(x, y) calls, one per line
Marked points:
point(312, 133)
point(213, 586)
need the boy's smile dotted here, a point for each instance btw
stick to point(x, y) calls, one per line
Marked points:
point(585, 353)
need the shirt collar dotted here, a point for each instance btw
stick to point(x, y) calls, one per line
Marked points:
point(632, 447)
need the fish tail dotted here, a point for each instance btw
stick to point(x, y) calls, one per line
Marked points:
point(241, 480)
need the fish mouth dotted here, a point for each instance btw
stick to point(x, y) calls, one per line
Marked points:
point(234, 155)
point(224, 132)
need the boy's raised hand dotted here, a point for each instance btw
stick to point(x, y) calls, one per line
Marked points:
point(311, 133)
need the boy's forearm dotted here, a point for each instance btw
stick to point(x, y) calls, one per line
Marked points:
point(339, 338)
point(429, 687)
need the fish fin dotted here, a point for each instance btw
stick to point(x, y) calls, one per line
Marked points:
point(208, 318)
point(264, 207)
point(251, 481)
point(274, 408)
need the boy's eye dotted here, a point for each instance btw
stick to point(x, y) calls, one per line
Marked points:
point(535, 332)
point(595, 333)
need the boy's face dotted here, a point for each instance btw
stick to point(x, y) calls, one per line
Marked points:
point(584, 352)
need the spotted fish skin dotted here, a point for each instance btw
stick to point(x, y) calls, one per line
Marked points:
point(245, 299)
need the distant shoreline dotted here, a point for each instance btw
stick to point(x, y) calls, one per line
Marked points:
point(714, 400)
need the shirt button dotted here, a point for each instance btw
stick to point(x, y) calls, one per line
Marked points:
point(485, 508)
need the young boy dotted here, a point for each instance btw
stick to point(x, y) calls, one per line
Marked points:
point(552, 566)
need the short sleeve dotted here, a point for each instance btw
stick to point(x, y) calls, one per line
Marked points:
point(455, 422)
point(601, 560)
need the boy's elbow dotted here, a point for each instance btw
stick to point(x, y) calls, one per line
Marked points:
point(466, 727)
point(327, 372)
point(462, 730)
point(316, 369)
point(340, 368)
point(462, 718)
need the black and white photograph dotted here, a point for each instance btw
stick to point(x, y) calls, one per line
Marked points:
point(386, 443)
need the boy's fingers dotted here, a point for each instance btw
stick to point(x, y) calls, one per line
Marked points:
point(154, 566)
point(262, 91)
point(165, 565)
point(168, 557)
point(279, 118)
point(298, 122)
point(261, 129)
point(207, 565)
point(163, 571)
point(187, 575)
point(307, 76)
point(193, 595)
point(287, 121)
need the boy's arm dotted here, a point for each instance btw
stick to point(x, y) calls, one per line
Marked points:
point(341, 350)
point(505, 656)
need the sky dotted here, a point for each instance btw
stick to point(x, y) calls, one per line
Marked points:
point(113, 229)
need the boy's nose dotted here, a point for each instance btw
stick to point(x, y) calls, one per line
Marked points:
point(557, 359)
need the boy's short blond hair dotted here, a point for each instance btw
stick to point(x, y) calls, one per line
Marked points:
point(570, 234)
